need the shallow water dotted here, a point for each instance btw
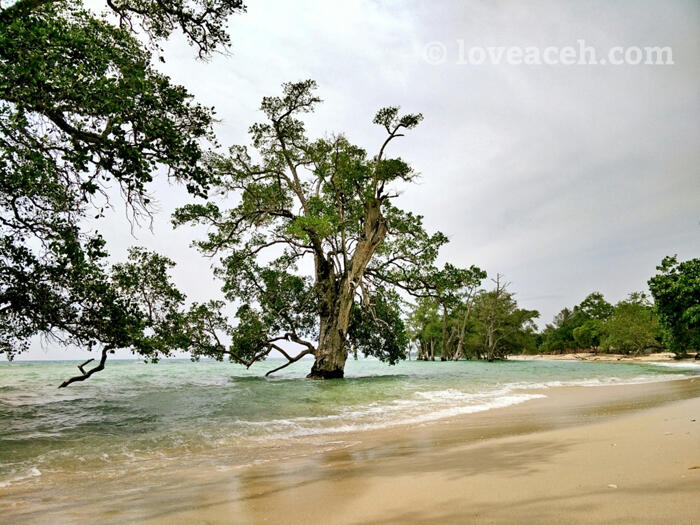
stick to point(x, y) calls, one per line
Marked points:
point(132, 413)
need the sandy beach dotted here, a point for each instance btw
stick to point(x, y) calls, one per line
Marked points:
point(618, 454)
point(622, 462)
point(663, 357)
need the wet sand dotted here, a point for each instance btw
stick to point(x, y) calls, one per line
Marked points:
point(616, 454)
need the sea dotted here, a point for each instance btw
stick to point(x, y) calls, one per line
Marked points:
point(134, 415)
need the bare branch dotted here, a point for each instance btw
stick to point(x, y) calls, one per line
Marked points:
point(87, 374)
point(291, 359)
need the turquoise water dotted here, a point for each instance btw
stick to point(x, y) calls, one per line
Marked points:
point(132, 411)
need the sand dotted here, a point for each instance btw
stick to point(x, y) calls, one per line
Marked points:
point(666, 357)
point(626, 468)
point(617, 454)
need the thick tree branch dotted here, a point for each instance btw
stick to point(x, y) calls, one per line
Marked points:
point(290, 359)
point(87, 374)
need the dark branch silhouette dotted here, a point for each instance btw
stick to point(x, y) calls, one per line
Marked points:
point(87, 374)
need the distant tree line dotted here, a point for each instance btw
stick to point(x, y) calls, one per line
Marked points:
point(488, 324)
point(484, 324)
point(630, 326)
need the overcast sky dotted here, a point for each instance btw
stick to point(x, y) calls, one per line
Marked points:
point(567, 179)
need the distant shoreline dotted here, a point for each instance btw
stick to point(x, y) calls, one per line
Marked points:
point(579, 356)
point(609, 358)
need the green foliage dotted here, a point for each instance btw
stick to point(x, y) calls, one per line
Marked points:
point(460, 322)
point(501, 328)
point(81, 108)
point(578, 328)
point(155, 306)
point(377, 329)
point(249, 336)
point(299, 202)
point(595, 307)
point(588, 334)
point(559, 336)
point(425, 327)
point(633, 326)
point(676, 291)
point(135, 307)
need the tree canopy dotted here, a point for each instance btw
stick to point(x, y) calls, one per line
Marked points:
point(676, 291)
point(81, 109)
point(325, 205)
point(579, 327)
point(138, 308)
point(633, 326)
point(630, 326)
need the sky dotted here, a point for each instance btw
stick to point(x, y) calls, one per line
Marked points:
point(565, 179)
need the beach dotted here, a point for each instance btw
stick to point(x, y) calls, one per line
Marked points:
point(624, 454)
point(659, 357)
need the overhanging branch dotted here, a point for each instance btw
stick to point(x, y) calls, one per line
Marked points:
point(87, 374)
point(290, 359)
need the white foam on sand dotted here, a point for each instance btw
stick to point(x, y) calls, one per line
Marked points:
point(23, 476)
point(425, 406)
point(684, 366)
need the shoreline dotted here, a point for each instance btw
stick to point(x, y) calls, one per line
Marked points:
point(659, 357)
point(551, 455)
point(480, 468)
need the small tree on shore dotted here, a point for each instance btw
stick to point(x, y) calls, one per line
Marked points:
point(578, 328)
point(501, 327)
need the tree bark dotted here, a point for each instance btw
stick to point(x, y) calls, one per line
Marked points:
point(331, 353)
point(337, 293)
point(335, 302)
point(463, 328)
point(443, 350)
point(422, 351)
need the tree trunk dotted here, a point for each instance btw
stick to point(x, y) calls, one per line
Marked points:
point(330, 354)
point(463, 330)
point(422, 351)
point(489, 345)
point(332, 351)
point(443, 351)
point(336, 294)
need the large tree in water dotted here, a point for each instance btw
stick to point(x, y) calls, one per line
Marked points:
point(314, 251)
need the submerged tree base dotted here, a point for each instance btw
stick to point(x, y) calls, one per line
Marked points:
point(330, 374)
point(337, 373)
point(319, 371)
